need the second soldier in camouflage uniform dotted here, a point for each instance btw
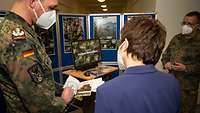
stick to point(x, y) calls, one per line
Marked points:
point(25, 69)
point(182, 59)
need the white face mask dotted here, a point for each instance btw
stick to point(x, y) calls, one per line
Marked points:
point(47, 19)
point(186, 29)
point(120, 61)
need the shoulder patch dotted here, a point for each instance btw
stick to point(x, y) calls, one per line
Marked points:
point(18, 34)
point(36, 73)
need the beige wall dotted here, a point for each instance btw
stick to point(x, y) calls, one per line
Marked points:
point(171, 12)
point(6, 4)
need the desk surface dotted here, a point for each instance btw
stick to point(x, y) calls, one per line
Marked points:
point(105, 70)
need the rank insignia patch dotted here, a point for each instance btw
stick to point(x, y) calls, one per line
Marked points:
point(36, 73)
point(27, 53)
point(18, 34)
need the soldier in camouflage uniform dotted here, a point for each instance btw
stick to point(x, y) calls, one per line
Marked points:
point(182, 59)
point(25, 69)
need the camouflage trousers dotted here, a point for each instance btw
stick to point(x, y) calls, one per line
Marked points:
point(189, 101)
point(189, 87)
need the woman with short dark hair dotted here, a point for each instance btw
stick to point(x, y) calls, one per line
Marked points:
point(141, 88)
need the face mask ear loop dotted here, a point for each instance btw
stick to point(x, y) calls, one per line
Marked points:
point(121, 45)
point(35, 13)
point(124, 43)
point(41, 6)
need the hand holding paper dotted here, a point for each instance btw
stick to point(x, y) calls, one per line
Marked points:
point(83, 88)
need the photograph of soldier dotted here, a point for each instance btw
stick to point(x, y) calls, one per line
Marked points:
point(73, 30)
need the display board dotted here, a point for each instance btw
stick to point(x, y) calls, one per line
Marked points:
point(106, 27)
point(72, 27)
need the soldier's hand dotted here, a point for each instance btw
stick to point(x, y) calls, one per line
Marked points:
point(168, 66)
point(178, 67)
point(67, 94)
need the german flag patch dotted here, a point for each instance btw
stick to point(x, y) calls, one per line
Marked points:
point(28, 53)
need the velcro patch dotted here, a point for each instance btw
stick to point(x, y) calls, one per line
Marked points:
point(28, 53)
point(18, 34)
point(36, 73)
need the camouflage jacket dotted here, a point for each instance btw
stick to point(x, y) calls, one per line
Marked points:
point(27, 81)
point(186, 51)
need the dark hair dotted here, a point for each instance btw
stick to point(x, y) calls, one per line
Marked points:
point(194, 13)
point(146, 39)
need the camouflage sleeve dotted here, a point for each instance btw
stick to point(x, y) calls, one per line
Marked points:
point(171, 51)
point(194, 66)
point(167, 53)
point(33, 79)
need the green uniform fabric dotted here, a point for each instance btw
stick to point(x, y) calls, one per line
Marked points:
point(186, 50)
point(27, 82)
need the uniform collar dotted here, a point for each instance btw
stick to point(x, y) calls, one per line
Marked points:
point(16, 18)
point(140, 69)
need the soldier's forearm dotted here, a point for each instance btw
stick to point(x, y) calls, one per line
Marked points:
point(193, 68)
